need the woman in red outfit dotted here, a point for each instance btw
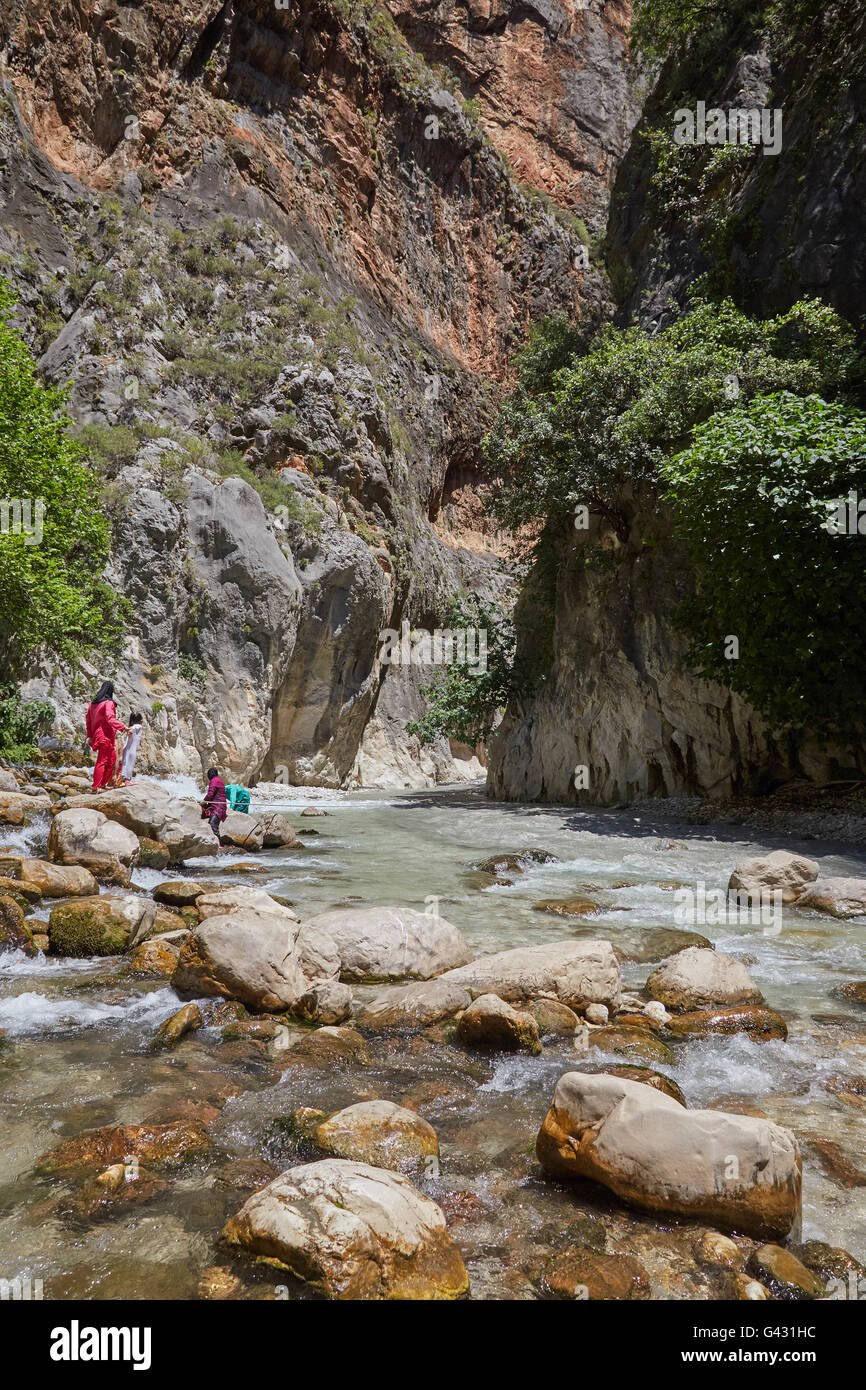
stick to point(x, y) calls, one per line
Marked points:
point(103, 726)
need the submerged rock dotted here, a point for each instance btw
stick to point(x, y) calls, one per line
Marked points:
point(14, 935)
point(854, 991)
point(784, 1275)
point(154, 1145)
point(51, 880)
point(568, 907)
point(186, 1020)
point(353, 1231)
point(106, 925)
point(88, 837)
point(516, 863)
point(657, 943)
point(591, 1274)
point(760, 1023)
point(382, 1134)
point(630, 1041)
point(491, 1022)
point(391, 943)
point(701, 979)
point(779, 871)
point(734, 1171)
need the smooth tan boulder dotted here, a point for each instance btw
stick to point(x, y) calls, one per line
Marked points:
point(701, 979)
point(277, 832)
point(88, 837)
point(391, 943)
point(382, 1134)
point(412, 1007)
point(242, 831)
point(106, 925)
point(52, 880)
point(148, 810)
point(216, 902)
point(730, 1171)
point(779, 871)
point(247, 954)
point(491, 1022)
point(353, 1231)
point(840, 897)
point(183, 892)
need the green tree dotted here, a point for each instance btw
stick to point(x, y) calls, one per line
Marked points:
point(752, 496)
point(54, 537)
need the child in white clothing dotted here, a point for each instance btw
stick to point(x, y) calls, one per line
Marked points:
point(130, 748)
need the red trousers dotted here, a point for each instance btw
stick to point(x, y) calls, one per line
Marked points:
point(106, 758)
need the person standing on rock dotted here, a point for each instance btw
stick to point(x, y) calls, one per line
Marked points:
point(214, 804)
point(103, 726)
point(130, 749)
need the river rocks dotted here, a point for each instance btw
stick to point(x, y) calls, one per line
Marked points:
point(52, 880)
point(155, 958)
point(169, 1034)
point(327, 1001)
point(832, 1264)
point(596, 1013)
point(217, 902)
point(853, 991)
point(391, 943)
point(277, 831)
point(491, 1022)
point(517, 863)
point(153, 1145)
point(701, 979)
point(87, 837)
point(784, 1274)
point(413, 1007)
point(100, 926)
point(247, 955)
point(656, 943)
point(382, 1134)
point(353, 1231)
point(779, 871)
point(761, 1024)
point(734, 1171)
point(715, 1249)
point(629, 1041)
point(591, 1274)
point(553, 1017)
point(242, 831)
point(332, 1045)
point(27, 895)
point(8, 781)
point(152, 855)
point(840, 897)
point(148, 810)
point(183, 892)
point(647, 1077)
point(14, 935)
point(568, 907)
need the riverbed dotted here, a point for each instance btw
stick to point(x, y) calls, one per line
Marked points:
point(77, 1031)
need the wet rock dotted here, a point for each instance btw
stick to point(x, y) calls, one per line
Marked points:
point(391, 943)
point(850, 1089)
point(382, 1134)
point(412, 1007)
point(14, 935)
point(656, 943)
point(748, 1290)
point(109, 1194)
point(737, 1172)
point(840, 897)
point(596, 1013)
point(852, 991)
point(254, 1029)
point(325, 1002)
point(246, 1174)
point(277, 832)
point(218, 902)
point(590, 1274)
point(52, 880)
point(576, 972)
point(517, 863)
point(648, 1077)
point(784, 1275)
point(247, 955)
point(153, 1145)
point(100, 926)
point(491, 1022)
point(761, 1024)
point(183, 892)
point(834, 1163)
point(152, 855)
point(218, 1283)
point(147, 810)
point(89, 838)
point(242, 832)
point(333, 1045)
point(353, 1231)
point(715, 1249)
point(779, 871)
point(568, 907)
point(701, 979)
point(226, 1011)
point(155, 958)
point(169, 1033)
point(553, 1017)
point(829, 1263)
point(42, 942)
point(628, 1041)
point(25, 894)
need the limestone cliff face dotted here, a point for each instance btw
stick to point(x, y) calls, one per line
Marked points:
point(283, 264)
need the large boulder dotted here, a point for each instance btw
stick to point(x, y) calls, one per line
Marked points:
point(779, 871)
point(183, 892)
point(391, 943)
point(701, 979)
point(149, 810)
point(104, 925)
point(277, 832)
point(491, 1022)
point(353, 1231)
point(52, 880)
point(88, 837)
point(413, 1007)
point(237, 897)
point(242, 831)
point(735, 1172)
point(840, 897)
point(247, 954)
point(381, 1133)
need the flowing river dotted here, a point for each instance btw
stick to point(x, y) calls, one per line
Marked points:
point(75, 1053)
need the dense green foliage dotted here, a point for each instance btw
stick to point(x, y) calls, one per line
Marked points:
point(20, 723)
point(752, 496)
point(462, 701)
point(615, 414)
point(52, 594)
point(661, 26)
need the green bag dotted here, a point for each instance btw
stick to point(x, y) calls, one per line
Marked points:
point(238, 798)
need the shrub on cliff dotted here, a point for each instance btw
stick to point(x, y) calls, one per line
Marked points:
point(767, 499)
point(54, 538)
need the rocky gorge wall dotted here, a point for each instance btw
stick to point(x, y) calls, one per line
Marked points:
point(282, 262)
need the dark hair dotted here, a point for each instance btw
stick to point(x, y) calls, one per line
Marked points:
point(134, 718)
point(212, 772)
point(105, 692)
